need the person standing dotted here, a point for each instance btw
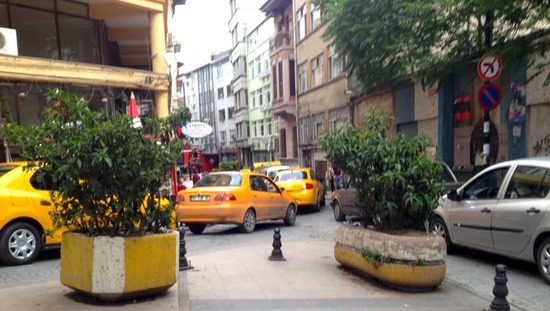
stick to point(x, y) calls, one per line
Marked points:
point(337, 177)
point(331, 178)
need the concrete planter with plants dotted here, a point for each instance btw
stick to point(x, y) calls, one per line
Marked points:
point(397, 191)
point(119, 241)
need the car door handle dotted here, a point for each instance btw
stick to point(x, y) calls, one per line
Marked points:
point(45, 202)
point(485, 210)
point(533, 210)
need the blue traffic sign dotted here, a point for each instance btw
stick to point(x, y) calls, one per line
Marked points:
point(489, 96)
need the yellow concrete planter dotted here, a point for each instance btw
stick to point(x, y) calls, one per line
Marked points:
point(417, 260)
point(119, 268)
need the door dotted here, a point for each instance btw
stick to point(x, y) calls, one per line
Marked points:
point(471, 216)
point(261, 198)
point(42, 184)
point(520, 211)
point(277, 204)
point(347, 200)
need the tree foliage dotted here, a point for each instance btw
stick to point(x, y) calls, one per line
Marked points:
point(388, 40)
point(397, 186)
point(107, 174)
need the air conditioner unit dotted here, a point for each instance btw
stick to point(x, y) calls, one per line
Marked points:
point(8, 41)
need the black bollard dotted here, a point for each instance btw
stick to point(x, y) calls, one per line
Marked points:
point(183, 263)
point(500, 290)
point(277, 253)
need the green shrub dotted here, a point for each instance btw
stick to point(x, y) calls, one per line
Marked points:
point(229, 165)
point(104, 169)
point(397, 186)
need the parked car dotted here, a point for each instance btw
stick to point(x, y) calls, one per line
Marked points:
point(272, 170)
point(502, 210)
point(241, 198)
point(343, 203)
point(24, 214)
point(300, 183)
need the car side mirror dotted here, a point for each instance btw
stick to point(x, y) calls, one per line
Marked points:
point(453, 195)
point(282, 189)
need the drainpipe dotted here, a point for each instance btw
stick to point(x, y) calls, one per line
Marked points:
point(300, 159)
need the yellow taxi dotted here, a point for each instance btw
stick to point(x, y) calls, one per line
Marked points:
point(243, 198)
point(24, 214)
point(300, 183)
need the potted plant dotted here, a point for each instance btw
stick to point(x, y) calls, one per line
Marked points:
point(397, 191)
point(119, 243)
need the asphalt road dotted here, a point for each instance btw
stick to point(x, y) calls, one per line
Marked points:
point(471, 270)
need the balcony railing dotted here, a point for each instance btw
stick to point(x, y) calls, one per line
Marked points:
point(280, 39)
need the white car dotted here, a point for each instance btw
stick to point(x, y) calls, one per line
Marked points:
point(503, 209)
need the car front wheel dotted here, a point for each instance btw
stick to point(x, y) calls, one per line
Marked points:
point(20, 244)
point(338, 214)
point(439, 228)
point(543, 259)
point(249, 222)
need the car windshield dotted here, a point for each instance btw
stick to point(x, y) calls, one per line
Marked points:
point(220, 180)
point(285, 176)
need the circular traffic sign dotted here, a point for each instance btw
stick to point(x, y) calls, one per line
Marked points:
point(489, 67)
point(489, 96)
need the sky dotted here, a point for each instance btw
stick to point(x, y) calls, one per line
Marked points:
point(201, 26)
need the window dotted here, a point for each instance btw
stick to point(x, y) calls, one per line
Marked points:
point(486, 186)
point(292, 77)
point(232, 135)
point(529, 182)
point(219, 72)
point(267, 94)
point(302, 77)
point(301, 23)
point(230, 112)
point(221, 114)
point(228, 91)
point(220, 93)
point(315, 16)
point(317, 71)
point(254, 129)
point(274, 81)
point(260, 97)
point(262, 132)
point(253, 98)
point(251, 67)
point(223, 135)
point(335, 63)
point(258, 64)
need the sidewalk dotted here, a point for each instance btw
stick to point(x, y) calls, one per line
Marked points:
point(242, 278)
point(310, 279)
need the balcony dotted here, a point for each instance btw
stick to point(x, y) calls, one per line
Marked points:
point(281, 40)
point(284, 108)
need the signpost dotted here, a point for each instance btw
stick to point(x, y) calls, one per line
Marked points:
point(489, 96)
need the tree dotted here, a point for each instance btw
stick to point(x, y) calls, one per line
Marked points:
point(107, 174)
point(397, 186)
point(389, 40)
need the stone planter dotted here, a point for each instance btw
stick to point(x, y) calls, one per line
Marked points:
point(416, 260)
point(119, 268)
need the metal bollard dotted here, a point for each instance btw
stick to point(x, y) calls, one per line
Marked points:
point(500, 290)
point(183, 263)
point(277, 253)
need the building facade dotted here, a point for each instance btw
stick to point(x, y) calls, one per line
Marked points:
point(225, 107)
point(243, 14)
point(283, 69)
point(263, 126)
point(103, 50)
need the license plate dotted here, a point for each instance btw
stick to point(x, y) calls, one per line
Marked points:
point(200, 198)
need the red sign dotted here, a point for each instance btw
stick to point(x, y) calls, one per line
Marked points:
point(489, 67)
point(489, 96)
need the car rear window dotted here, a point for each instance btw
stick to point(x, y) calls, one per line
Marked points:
point(6, 168)
point(291, 176)
point(220, 180)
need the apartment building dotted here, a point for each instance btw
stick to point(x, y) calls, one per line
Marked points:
point(263, 126)
point(101, 49)
point(244, 16)
point(225, 107)
point(282, 58)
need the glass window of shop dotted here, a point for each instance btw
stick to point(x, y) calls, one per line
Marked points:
point(46, 33)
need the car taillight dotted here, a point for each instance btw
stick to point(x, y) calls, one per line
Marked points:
point(180, 199)
point(225, 197)
point(308, 186)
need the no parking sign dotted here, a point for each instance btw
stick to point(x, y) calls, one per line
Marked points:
point(489, 96)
